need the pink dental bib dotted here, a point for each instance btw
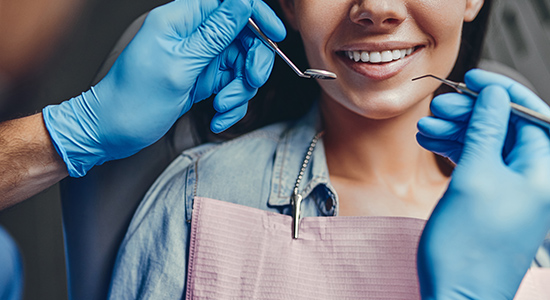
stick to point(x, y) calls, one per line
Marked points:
point(238, 252)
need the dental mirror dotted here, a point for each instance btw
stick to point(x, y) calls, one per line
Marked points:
point(319, 74)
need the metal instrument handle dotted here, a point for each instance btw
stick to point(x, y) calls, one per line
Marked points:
point(271, 44)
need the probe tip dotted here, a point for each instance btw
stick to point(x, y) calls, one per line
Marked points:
point(429, 75)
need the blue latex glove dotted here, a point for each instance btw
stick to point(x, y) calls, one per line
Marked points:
point(485, 231)
point(184, 52)
point(11, 269)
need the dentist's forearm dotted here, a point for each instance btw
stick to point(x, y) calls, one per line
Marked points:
point(28, 160)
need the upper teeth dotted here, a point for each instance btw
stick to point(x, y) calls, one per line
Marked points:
point(378, 56)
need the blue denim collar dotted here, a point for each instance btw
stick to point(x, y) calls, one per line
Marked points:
point(289, 157)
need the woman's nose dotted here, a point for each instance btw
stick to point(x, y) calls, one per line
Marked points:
point(379, 15)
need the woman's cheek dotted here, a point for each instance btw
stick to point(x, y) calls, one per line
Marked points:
point(442, 19)
point(318, 17)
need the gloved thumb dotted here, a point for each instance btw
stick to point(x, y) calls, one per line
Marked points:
point(487, 127)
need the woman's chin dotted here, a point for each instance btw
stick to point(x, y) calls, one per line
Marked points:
point(388, 108)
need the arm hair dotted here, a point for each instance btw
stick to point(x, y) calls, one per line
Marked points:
point(29, 162)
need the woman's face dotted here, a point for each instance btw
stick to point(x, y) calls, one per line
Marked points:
point(377, 46)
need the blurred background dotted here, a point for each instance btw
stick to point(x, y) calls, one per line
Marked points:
point(75, 37)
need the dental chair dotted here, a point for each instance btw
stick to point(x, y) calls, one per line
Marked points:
point(98, 208)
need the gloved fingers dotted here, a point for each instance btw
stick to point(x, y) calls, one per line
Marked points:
point(210, 81)
point(216, 33)
point(436, 128)
point(207, 85)
point(531, 149)
point(231, 104)
point(250, 58)
point(446, 148)
point(259, 62)
point(477, 79)
point(235, 94)
point(223, 121)
point(268, 21)
point(229, 66)
point(525, 97)
point(531, 142)
point(219, 73)
point(488, 125)
point(452, 106)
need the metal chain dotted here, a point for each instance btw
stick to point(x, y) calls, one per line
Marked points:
point(296, 199)
point(305, 163)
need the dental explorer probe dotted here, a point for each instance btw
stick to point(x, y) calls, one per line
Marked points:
point(309, 73)
point(517, 109)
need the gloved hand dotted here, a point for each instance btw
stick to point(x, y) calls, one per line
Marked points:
point(11, 272)
point(184, 52)
point(485, 231)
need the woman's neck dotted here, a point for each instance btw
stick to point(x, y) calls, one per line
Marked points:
point(383, 151)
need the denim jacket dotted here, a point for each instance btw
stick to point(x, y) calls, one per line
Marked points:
point(257, 170)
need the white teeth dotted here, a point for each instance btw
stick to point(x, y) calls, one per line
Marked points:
point(375, 57)
point(356, 56)
point(379, 57)
point(364, 56)
point(396, 54)
point(387, 56)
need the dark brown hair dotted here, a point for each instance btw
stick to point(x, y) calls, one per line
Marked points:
point(286, 96)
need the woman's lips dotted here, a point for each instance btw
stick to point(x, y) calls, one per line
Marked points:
point(379, 65)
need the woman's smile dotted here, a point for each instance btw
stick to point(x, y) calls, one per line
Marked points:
point(378, 64)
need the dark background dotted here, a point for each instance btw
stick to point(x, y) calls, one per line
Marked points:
point(519, 38)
